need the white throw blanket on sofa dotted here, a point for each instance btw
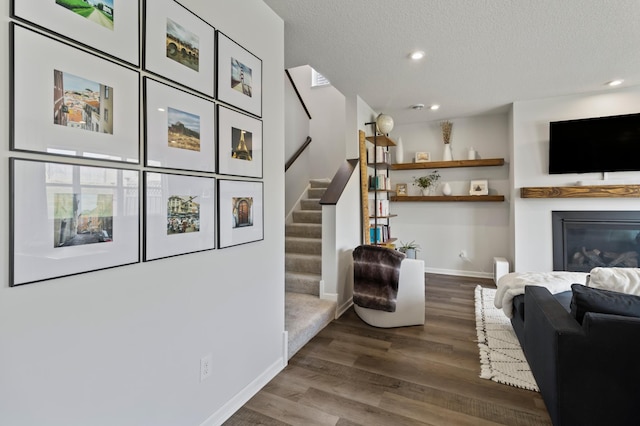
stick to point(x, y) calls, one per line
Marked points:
point(511, 285)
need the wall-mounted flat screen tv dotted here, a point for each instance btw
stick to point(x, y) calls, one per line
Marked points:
point(603, 144)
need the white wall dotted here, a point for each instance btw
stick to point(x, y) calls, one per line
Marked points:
point(327, 125)
point(443, 229)
point(532, 217)
point(123, 346)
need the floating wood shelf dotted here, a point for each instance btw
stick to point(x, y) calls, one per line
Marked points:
point(381, 140)
point(383, 217)
point(593, 191)
point(449, 164)
point(384, 243)
point(446, 198)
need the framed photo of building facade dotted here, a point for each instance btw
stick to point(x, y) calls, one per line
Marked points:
point(239, 76)
point(240, 212)
point(180, 129)
point(179, 45)
point(109, 26)
point(179, 214)
point(239, 144)
point(65, 101)
point(68, 219)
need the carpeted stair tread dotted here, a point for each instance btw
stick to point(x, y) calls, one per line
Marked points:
point(301, 282)
point(319, 183)
point(310, 204)
point(305, 316)
point(307, 216)
point(303, 245)
point(316, 192)
point(309, 230)
point(306, 263)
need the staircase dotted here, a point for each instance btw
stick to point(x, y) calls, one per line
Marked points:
point(305, 313)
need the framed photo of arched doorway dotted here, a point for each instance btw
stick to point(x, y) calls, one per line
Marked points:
point(240, 212)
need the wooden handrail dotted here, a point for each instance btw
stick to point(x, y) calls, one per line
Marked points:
point(295, 88)
point(339, 182)
point(297, 154)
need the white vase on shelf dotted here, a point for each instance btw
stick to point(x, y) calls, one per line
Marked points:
point(446, 189)
point(446, 156)
point(399, 152)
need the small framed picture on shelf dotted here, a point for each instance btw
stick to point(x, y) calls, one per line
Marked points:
point(401, 190)
point(423, 157)
point(479, 187)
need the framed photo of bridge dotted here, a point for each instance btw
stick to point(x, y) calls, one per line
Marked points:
point(239, 144)
point(109, 26)
point(66, 101)
point(179, 45)
point(179, 214)
point(239, 77)
point(180, 129)
point(68, 219)
point(240, 212)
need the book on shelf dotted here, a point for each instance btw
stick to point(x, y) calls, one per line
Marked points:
point(380, 181)
point(379, 234)
point(379, 207)
point(378, 155)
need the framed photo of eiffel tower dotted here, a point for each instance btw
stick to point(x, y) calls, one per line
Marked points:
point(239, 144)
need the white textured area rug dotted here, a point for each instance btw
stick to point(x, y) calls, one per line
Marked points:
point(501, 357)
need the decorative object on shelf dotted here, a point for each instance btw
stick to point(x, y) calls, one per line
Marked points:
point(401, 189)
point(446, 189)
point(399, 151)
point(427, 183)
point(384, 124)
point(479, 187)
point(423, 157)
point(409, 249)
point(471, 154)
point(446, 127)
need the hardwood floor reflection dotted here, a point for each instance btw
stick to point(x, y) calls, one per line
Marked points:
point(355, 374)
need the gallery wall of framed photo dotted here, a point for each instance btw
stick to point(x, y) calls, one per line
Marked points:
point(136, 135)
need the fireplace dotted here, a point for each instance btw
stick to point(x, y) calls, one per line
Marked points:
point(583, 240)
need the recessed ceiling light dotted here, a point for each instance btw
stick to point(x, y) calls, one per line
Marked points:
point(417, 106)
point(615, 82)
point(434, 107)
point(418, 54)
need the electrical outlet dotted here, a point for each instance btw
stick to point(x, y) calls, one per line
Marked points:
point(206, 364)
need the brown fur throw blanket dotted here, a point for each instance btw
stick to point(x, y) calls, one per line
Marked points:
point(376, 272)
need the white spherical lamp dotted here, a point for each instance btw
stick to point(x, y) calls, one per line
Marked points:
point(384, 124)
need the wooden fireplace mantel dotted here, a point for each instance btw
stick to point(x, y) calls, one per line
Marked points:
point(590, 191)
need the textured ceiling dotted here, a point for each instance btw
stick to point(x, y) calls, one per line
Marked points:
point(481, 55)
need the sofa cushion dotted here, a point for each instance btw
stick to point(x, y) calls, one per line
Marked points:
point(624, 280)
point(588, 299)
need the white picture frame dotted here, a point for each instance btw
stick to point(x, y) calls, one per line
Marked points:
point(188, 59)
point(422, 157)
point(175, 223)
point(49, 117)
point(234, 60)
point(69, 219)
point(240, 225)
point(479, 187)
point(116, 33)
point(236, 130)
point(180, 129)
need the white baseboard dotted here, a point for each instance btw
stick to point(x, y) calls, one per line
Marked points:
point(342, 309)
point(241, 398)
point(475, 274)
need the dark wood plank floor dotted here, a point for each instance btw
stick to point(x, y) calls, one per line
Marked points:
point(355, 374)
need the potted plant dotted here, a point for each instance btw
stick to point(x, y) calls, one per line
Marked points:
point(425, 183)
point(409, 249)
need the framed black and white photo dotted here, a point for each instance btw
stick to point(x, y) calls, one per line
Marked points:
point(179, 214)
point(180, 130)
point(240, 212)
point(479, 187)
point(239, 76)
point(65, 101)
point(69, 219)
point(179, 45)
point(109, 26)
point(239, 144)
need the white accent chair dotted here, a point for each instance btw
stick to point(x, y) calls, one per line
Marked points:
point(410, 300)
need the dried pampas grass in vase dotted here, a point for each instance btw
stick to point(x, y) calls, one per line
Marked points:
point(446, 127)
